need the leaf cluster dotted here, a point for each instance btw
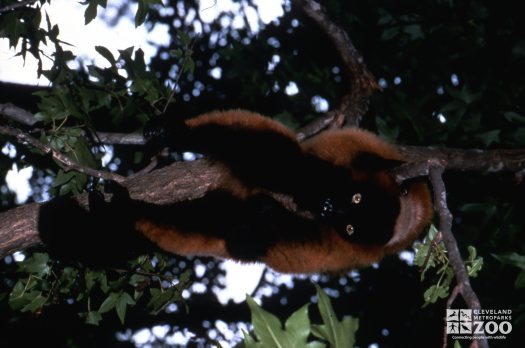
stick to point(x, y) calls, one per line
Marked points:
point(268, 331)
point(148, 282)
point(432, 255)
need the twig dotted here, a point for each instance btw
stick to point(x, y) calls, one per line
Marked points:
point(179, 75)
point(16, 5)
point(453, 295)
point(433, 245)
point(69, 164)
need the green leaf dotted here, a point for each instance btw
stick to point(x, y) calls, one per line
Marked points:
point(520, 280)
point(270, 333)
point(184, 37)
point(91, 12)
point(267, 326)
point(475, 267)
point(489, 137)
point(109, 303)
point(513, 258)
point(122, 302)
point(299, 323)
point(37, 264)
point(92, 318)
point(142, 11)
point(36, 303)
point(160, 299)
point(104, 52)
point(337, 333)
point(514, 117)
point(434, 293)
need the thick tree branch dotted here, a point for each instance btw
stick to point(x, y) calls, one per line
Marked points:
point(362, 83)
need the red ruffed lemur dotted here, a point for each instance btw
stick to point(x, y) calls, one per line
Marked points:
point(348, 211)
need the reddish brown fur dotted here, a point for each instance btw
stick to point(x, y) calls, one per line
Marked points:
point(332, 253)
point(180, 242)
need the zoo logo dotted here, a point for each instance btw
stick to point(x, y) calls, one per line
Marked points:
point(478, 322)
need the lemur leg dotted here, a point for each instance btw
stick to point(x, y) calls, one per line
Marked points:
point(262, 152)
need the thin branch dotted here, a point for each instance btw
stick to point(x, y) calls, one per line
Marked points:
point(69, 164)
point(16, 5)
point(120, 138)
point(22, 116)
point(179, 75)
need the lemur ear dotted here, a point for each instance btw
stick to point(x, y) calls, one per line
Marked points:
point(371, 162)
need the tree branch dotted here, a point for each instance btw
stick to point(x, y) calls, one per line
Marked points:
point(362, 83)
point(435, 168)
point(454, 256)
point(17, 114)
point(491, 161)
point(68, 163)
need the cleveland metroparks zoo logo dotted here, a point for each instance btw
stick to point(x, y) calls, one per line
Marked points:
point(478, 323)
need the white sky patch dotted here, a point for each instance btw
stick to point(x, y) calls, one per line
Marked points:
point(18, 182)
point(108, 155)
point(9, 150)
point(19, 256)
point(211, 9)
point(454, 79)
point(441, 117)
point(407, 256)
point(320, 104)
point(269, 10)
point(241, 279)
point(142, 337)
point(291, 88)
point(180, 338)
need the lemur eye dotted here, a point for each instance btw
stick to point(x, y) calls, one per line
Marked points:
point(356, 199)
point(404, 191)
point(349, 229)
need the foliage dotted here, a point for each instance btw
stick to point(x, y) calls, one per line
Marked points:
point(268, 330)
point(517, 260)
point(44, 282)
point(431, 255)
